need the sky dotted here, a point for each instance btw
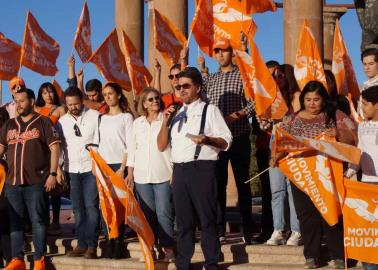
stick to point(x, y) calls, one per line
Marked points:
point(59, 20)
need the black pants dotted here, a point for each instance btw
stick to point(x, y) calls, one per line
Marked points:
point(313, 226)
point(240, 155)
point(194, 190)
point(262, 156)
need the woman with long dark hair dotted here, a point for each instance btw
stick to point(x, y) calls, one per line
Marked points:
point(48, 103)
point(317, 115)
point(114, 135)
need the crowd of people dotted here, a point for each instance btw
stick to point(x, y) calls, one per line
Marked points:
point(173, 152)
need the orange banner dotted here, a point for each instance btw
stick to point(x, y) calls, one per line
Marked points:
point(168, 39)
point(138, 73)
point(2, 177)
point(215, 19)
point(9, 58)
point(39, 51)
point(259, 6)
point(110, 61)
point(82, 40)
point(308, 64)
point(124, 199)
point(342, 67)
point(59, 91)
point(360, 215)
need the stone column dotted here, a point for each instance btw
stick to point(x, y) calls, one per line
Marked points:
point(295, 11)
point(177, 12)
point(330, 15)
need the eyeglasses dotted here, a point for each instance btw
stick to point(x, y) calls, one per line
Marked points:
point(157, 98)
point(171, 76)
point(77, 131)
point(184, 86)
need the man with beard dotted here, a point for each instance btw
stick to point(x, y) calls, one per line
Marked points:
point(78, 128)
point(32, 146)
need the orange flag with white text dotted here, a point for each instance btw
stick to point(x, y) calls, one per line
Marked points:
point(59, 91)
point(125, 202)
point(168, 39)
point(342, 67)
point(308, 63)
point(360, 217)
point(110, 61)
point(139, 75)
point(215, 19)
point(258, 6)
point(38, 51)
point(9, 58)
point(82, 40)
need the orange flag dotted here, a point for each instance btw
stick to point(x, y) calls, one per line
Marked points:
point(168, 39)
point(124, 202)
point(39, 51)
point(9, 58)
point(308, 64)
point(360, 215)
point(215, 19)
point(2, 177)
point(59, 91)
point(258, 6)
point(138, 73)
point(82, 40)
point(342, 67)
point(110, 61)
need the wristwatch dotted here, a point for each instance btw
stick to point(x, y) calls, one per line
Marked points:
point(53, 174)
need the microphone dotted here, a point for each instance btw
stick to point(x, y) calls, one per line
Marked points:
point(177, 107)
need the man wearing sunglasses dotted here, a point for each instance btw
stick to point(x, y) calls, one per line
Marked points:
point(78, 128)
point(32, 146)
point(198, 132)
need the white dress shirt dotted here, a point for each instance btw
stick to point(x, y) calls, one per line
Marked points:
point(368, 143)
point(76, 157)
point(183, 148)
point(115, 133)
point(150, 165)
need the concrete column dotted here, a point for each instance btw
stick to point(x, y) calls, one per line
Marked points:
point(177, 12)
point(330, 15)
point(295, 11)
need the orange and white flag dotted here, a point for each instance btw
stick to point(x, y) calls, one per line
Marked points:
point(38, 51)
point(360, 216)
point(308, 64)
point(125, 202)
point(9, 58)
point(168, 39)
point(214, 19)
point(139, 75)
point(82, 40)
point(110, 61)
point(342, 67)
point(59, 91)
point(258, 6)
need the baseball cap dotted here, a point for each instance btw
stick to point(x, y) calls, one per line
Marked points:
point(222, 43)
point(16, 81)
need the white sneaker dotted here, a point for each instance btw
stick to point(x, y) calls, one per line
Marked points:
point(276, 239)
point(295, 239)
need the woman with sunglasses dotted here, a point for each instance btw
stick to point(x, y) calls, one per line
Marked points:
point(114, 135)
point(151, 170)
point(48, 104)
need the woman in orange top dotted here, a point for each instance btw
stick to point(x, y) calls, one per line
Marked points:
point(48, 103)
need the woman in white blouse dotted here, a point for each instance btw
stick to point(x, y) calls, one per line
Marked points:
point(114, 135)
point(151, 170)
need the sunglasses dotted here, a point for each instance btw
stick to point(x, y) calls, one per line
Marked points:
point(77, 131)
point(171, 76)
point(184, 86)
point(151, 99)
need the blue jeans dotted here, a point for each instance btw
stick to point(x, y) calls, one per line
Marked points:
point(156, 203)
point(281, 188)
point(370, 266)
point(32, 197)
point(85, 206)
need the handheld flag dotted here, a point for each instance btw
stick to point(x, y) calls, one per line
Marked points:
point(9, 58)
point(82, 40)
point(59, 91)
point(253, 6)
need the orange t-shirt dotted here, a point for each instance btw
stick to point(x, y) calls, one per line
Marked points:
point(169, 99)
point(46, 111)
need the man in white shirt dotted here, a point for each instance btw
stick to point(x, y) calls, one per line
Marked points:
point(197, 134)
point(79, 127)
point(369, 58)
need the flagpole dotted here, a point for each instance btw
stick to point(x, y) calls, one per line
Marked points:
point(1, 92)
point(257, 175)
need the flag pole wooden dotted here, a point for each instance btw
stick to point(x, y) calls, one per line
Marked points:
point(1, 92)
point(257, 175)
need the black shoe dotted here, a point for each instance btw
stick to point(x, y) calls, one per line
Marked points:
point(109, 248)
point(118, 250)
point(312, 263)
